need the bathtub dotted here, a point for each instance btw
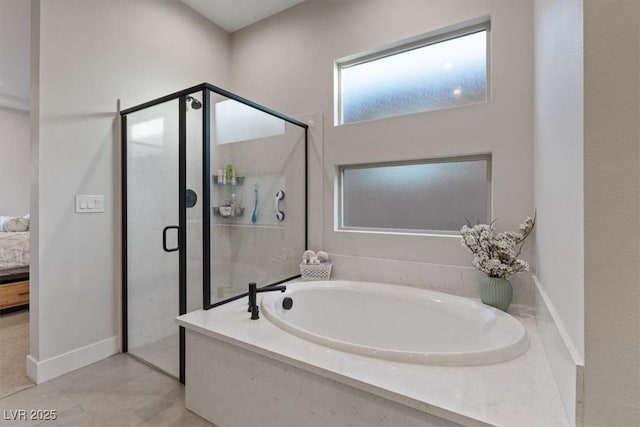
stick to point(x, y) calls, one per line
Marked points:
point(352, 353)
point(397, 323)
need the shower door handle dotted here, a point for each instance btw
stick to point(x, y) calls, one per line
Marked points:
point(164, 238)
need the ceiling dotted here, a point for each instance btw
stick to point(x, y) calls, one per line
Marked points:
point(233, 15)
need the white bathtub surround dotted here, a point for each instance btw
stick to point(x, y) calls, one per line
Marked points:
point(285, 379)
point(451, 279)
point(260, 391)
point(565, 361)
point(366, 318)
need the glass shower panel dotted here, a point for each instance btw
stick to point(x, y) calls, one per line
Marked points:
point(152, 235)
point(254, 236)
point(194, 201)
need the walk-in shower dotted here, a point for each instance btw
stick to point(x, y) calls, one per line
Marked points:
point(204, 178)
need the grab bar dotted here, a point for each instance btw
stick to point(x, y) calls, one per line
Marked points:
point(279, 213)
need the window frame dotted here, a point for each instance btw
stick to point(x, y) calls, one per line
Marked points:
point(405, 46)
point(339, 199)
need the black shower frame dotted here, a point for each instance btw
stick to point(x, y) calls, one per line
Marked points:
point(181, 96)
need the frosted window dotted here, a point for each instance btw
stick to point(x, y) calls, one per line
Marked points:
point(440, 75)
point(429, 196)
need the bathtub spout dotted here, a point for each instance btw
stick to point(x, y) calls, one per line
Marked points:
point(253, 291)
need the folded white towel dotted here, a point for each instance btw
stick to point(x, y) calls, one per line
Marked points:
point(307, 255)
point(322, 256)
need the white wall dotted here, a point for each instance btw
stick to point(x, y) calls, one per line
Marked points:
point(14, 51)
point(558, 181)
point(611, 212)
point(15, 162)
point(558, 154)
point(135, 51)
point(286, 62)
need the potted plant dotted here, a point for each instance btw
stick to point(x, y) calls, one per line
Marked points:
point(496, 255)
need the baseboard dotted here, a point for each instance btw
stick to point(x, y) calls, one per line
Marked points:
point(45, 370)
point(565, 362)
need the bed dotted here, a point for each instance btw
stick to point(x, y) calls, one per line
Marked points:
point(14, 250)
point(14, 269)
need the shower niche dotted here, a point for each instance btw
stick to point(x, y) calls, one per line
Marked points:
point(213, 198)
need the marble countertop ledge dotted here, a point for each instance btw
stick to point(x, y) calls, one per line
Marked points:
point(518, 392)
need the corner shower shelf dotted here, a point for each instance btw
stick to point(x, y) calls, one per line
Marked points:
point(216, 212)
point(218, 181)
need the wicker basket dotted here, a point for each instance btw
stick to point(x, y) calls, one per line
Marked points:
point(315, 271)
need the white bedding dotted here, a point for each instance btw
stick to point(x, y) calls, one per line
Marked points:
point(14, 250)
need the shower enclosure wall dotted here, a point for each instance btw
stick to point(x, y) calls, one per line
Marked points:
point(214, 197)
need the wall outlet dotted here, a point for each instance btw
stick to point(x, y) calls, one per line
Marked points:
point(89, 203)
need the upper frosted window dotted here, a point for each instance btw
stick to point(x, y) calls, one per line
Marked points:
point(439, 75)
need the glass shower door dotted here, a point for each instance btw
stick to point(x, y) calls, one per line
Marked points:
point(153, 274)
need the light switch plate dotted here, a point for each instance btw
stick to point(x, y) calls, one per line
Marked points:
point(87, 203)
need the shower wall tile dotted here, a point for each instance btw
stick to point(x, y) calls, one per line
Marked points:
point(268, 250)
point(194, 264)
point(152, 196)
point(153, 205)
point(220, 274)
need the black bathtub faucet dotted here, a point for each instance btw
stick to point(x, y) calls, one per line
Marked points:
point(254, 291)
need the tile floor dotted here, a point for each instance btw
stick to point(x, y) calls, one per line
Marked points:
point(163, 354)
point(14, 347)
point(118, 391)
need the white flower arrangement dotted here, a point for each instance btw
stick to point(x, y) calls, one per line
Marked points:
point(497, 255)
